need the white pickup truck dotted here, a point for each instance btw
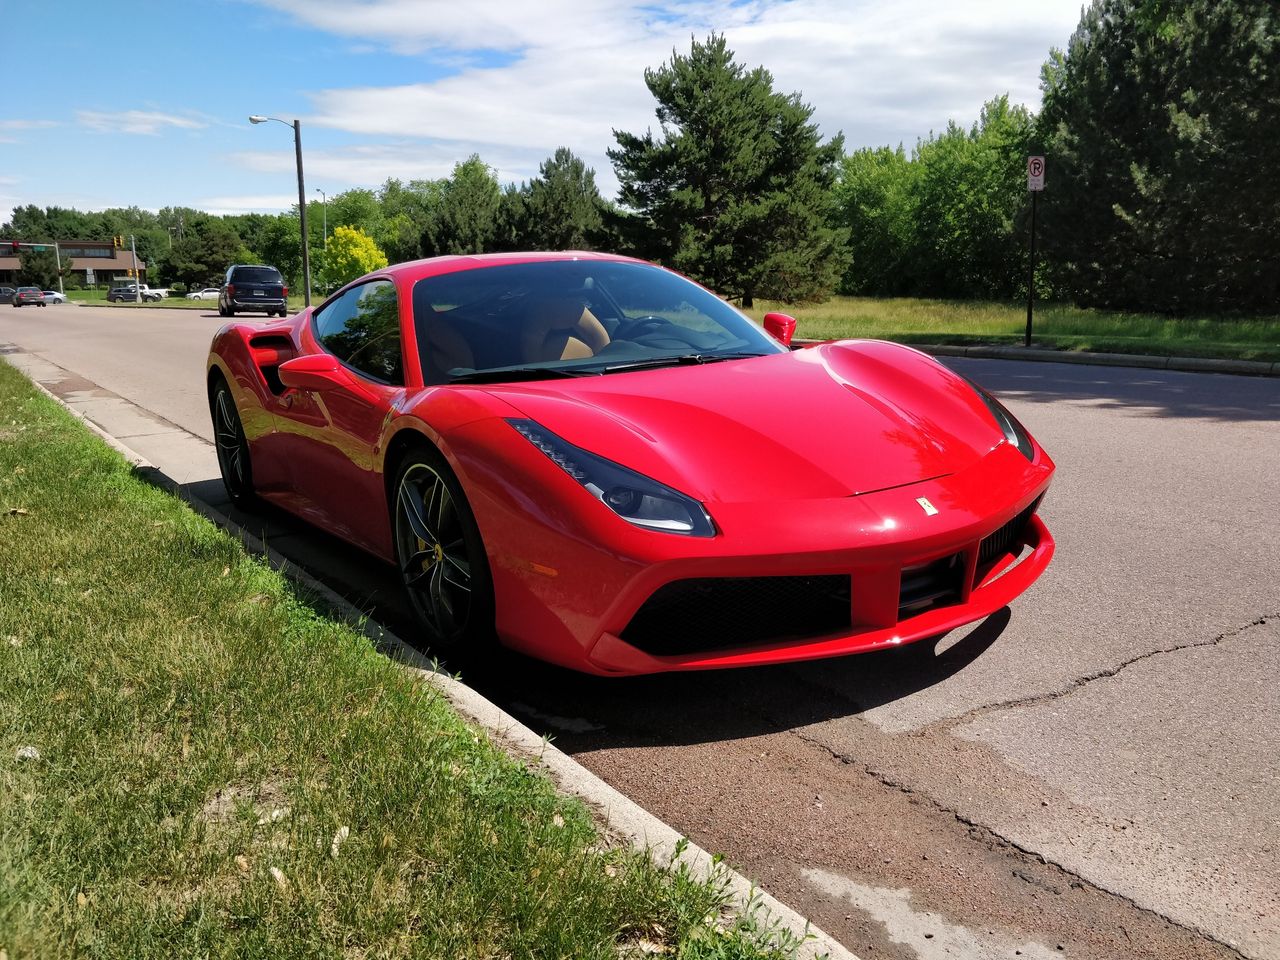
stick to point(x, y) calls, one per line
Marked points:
point(129, 291)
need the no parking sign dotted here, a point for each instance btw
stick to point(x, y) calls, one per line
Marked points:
point(1035, 174)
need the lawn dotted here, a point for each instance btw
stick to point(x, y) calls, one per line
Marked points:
point(1056, 327)
point(196, 761)
point(98, 298)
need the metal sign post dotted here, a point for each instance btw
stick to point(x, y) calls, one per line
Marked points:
point(1035, 185)
point(137, 280)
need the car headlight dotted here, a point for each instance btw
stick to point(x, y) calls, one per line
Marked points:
point(632, 496)
point(1013, 431)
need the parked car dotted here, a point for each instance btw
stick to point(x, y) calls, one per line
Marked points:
point(253, 287)
point(28, 297)
point(53, 296)
point(6, 294)
point(208, 293)
point(595, 461)
point(129, 292)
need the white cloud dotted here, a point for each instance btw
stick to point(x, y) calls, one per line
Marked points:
point(27, 124)
point(148, 122)
point(572, 70)
point(254, 203)
point(369, 165)
point(414, 26)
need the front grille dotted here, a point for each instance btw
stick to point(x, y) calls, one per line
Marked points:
point(690, 616)
point(930, 585)
point(1004, 539)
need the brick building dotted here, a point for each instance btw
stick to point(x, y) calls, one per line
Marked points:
point(93, 261)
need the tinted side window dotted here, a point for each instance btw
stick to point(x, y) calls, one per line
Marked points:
point(362, 329)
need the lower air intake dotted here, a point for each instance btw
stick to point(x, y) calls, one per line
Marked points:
point(1007, 537)
point(692, 616)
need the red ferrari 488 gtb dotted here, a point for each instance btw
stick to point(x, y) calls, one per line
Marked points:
point(599, 463)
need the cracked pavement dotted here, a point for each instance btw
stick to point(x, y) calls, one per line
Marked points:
point(1094, 772)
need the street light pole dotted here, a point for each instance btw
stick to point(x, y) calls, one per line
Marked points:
point(137, 277)
point(302, 201)
point(324, 213)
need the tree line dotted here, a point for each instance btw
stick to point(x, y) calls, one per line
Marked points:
point(1159, 123)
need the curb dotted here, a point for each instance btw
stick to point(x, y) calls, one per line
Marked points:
point(1249, 368)
point(617, 813)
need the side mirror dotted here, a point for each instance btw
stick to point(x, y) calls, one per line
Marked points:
point(781, 327)
point(317, 372)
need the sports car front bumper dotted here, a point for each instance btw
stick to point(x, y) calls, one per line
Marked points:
point(783, 580)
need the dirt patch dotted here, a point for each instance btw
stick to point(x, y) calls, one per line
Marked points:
point(265, 798)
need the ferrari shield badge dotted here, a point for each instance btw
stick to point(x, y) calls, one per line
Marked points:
point(928, 508)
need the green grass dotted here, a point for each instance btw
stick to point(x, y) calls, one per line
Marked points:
point(1056, 327)
point(222, 771)
point(98, 298)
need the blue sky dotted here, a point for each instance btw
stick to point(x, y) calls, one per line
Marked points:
point(145, 102)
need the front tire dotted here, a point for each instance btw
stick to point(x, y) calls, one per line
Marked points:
point(232, 446)
point(441, 558)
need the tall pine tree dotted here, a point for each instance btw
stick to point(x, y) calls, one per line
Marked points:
point(1161, 121)
point(737, 189)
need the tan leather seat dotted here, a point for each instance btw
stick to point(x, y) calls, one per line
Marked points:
point(560, 329)
point(446, 349)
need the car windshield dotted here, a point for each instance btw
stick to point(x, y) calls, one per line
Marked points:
point(256, 275)
point(559, 318)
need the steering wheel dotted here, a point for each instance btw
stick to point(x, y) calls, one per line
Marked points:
point(630, 329)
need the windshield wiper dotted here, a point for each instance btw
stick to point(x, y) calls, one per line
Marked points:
point(684, 359)
point(514, 374)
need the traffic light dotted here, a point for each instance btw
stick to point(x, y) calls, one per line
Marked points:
point(118, 242)
point(15, 247)
point(129, 272)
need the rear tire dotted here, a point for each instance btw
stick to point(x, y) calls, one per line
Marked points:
point(441, 557)
point(232, 447)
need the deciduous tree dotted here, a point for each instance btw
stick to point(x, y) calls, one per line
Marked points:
point(875, 199)
point(351, 254)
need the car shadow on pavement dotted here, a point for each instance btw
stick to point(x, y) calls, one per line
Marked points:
point(587, 713)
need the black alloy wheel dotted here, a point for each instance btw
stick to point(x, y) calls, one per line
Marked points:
point(232, 447)
point(441, 557)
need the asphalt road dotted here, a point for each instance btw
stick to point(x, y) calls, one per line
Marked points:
point(1094, 772)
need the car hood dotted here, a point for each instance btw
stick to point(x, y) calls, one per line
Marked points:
point(839, 419)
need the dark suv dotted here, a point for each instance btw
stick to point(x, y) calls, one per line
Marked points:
point(253, 287)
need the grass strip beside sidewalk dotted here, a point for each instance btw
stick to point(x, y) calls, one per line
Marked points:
point(194, 762)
